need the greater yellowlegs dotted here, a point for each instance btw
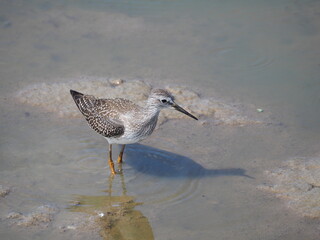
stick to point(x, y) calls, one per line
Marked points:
point(121, 121)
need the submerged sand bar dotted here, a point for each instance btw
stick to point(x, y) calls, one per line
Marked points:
point(55, 98)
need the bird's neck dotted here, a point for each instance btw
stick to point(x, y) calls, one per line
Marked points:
point(151, 111)
point(147, 121)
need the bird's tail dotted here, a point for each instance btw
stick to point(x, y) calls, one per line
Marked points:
point(75, 95)
point(85, 103)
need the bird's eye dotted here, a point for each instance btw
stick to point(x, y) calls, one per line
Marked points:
point(163, 100)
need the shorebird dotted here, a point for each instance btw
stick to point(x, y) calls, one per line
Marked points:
point(121, 121)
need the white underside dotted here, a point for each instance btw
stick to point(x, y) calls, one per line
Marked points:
point(123, 140)
point(128, 137)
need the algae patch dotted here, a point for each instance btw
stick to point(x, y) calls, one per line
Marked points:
point(113, 215)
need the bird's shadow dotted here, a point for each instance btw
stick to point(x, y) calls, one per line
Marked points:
point(160, 163)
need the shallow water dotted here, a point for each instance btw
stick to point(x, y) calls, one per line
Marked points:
point(190, 179)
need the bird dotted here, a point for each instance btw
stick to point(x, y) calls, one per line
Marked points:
point(120, 121)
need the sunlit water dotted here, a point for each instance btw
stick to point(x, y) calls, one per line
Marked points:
point(188, 181)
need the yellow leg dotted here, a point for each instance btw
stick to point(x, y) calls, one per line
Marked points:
point(111, 165)
point(121, 154)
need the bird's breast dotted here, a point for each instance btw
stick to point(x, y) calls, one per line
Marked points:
point(135, 131)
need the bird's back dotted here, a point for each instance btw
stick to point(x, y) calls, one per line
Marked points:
point(114, 108)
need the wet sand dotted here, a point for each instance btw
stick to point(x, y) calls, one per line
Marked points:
point(297, 182)
point(54, 98)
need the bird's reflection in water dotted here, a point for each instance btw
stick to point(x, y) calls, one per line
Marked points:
point(117, 217)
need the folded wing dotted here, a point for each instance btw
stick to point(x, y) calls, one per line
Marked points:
point(103, 125)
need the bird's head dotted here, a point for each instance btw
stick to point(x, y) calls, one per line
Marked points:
point(161, 98)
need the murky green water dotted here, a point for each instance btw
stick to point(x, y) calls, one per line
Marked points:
point(188, 181)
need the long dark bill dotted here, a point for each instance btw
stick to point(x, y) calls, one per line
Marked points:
point(180, 109)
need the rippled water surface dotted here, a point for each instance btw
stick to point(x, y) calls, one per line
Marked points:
point(189, 180)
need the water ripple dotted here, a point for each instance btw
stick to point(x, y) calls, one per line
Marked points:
point(151, 175)
point(241, 59)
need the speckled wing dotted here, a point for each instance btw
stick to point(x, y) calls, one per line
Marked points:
point(91, 108)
